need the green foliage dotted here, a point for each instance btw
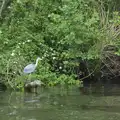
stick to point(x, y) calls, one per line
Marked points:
point(61, 32)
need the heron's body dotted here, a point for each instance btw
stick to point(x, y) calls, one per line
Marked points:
point(31, 67)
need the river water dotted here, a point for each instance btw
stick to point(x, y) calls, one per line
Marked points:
point(62, 103)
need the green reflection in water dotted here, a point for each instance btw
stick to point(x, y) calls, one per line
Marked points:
point(58, 103)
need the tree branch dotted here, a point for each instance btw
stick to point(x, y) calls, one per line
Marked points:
point(2, 7)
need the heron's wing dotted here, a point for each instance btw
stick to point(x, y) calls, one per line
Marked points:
point(29, 68)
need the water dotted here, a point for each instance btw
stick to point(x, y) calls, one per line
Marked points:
point(61, 103)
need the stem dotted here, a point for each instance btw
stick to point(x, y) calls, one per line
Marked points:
point(2, 7)
point(29, 78)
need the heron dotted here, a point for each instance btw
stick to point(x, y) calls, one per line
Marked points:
point(31, 67)
point(29, 85)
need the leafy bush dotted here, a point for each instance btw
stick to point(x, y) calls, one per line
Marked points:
point(61, 32)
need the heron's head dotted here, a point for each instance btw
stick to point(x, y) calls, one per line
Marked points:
point(39, 58)
point(37, 61)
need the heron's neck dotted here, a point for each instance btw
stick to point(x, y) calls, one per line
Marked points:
point(36, 62)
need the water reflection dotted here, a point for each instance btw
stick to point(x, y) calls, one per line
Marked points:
point(101, 89)
point(104, 108)
point(62, 103)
